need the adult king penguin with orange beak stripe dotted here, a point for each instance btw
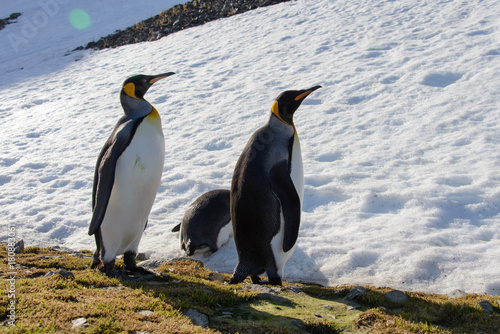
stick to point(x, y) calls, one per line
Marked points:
point(266, 194)
point(127, 177)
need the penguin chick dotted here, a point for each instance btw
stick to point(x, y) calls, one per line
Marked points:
point(206, 222)
point(127, 176)
point(266, 194)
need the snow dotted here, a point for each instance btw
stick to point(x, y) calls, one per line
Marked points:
point(401, 146)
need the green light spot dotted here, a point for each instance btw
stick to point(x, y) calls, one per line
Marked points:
point(80, 19)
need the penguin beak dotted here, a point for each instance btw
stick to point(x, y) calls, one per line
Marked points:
point(307, 92)
point(159, 77)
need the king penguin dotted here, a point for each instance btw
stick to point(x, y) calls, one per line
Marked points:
point(266, 194)
point(126, 179)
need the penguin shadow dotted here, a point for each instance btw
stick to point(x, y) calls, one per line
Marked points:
point(302, 268)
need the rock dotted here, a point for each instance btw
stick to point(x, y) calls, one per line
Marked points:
point(258, 287)
point(215, 276)
point(81, 255)
point(199, 319)
point(62, 272)
point(141, 257)
point(293, 289)
point(457, 294)
point(62, 249)
point(8, 20)
point(179, 17)
point(73, 252)
point(19, 247)
point(145, 313)
point(356, 292)
point(486, 306)
point(396, 296)
point(152, 263)
point(79, 323)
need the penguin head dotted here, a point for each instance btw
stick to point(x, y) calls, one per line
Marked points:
point(137, 86)
point(288, 102)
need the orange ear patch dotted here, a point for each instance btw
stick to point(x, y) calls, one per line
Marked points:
point(129, 89)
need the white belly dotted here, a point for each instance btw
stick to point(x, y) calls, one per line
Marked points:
point(224, 234)
point(137, 178)
point(297, 175)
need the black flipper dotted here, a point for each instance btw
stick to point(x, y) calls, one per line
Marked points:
point(177, 228)
point(282, 186)
point(104, 176)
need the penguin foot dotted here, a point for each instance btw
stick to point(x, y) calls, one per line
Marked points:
point(271, 281)
point(110, 271)
point(275, 280)
point(138, 274)
point(257, 280)
point(235, 279)
point(139, 270)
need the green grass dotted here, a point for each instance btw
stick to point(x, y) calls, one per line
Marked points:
point(49, 304)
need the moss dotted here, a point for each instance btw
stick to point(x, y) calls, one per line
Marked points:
point(49, 304)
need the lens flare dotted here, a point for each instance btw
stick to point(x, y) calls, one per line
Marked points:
point(80, 19)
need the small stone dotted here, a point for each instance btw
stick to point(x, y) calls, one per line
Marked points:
point(215, 276)
point(258, 287)
point(142, 332)
point(79, 323)
point(197, 318)
point(53, 257)
point(328, 307)
point(151, 263)
point(293, 289)
point(457, 294)
point(141, 257)
point(62, 249)
point(62, 272)
point(356, 292)
point(396, 296)
point(353, 307)
point(81, 255)
point(145, 313)
point(65, 273)
point(19, 247)
point(486, 306)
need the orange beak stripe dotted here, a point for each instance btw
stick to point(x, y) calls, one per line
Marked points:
point(152, 81)
point(303, 95)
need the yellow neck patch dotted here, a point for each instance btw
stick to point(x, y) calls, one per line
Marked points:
point(154, 114)
point(276, 111)
point(129, 89)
